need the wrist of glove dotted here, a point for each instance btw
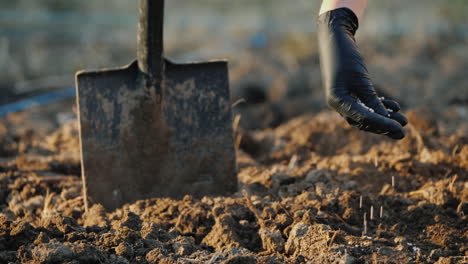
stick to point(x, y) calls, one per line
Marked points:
point(348, 87)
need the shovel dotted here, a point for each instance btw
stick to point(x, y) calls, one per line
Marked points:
point(154, 128)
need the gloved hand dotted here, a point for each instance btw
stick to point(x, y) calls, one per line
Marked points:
point(348, 87)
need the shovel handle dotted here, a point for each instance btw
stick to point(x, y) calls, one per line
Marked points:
point(150, 37)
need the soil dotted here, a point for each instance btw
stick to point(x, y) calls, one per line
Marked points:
point(313, 190)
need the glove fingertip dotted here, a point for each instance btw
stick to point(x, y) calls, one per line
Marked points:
point(396, 133)
point(391, 104)
point(399, 118)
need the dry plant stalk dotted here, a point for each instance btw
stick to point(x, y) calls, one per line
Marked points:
point(324, 256)
point(236, 122)
point(71, 202)
point(190, 260)
point(364, 232)
point(460, 209)
point(332, 240)
point(215, 258)
point(292, 163)
point(238, 102)
point(455, 149)
point(179, 218)
point(84, 189)
point(235, 127)
point(452, 183)
point(252, 208)
point(238, 141)
point(47, 209)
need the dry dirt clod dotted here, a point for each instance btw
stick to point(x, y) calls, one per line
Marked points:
point(183, 246)
point(157, 255)
point(60, 225)
point(125, 250)
point(22, 233)
point(95, 216)
point(272, 240)
point(86, 253)
point(222, 234)
point(52, 253)
point(307, 240)
point(131, 221)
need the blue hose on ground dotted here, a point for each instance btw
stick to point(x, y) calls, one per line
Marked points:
point(37, 101)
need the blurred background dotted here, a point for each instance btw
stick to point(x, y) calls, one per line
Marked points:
point(416, 51)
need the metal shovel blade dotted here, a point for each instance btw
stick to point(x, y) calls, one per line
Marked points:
point(139, 141)
point(155, 128)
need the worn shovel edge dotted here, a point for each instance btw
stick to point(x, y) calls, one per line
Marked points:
point(80, 73)
point(171, 61)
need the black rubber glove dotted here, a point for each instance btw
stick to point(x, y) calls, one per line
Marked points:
point(348, 87)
